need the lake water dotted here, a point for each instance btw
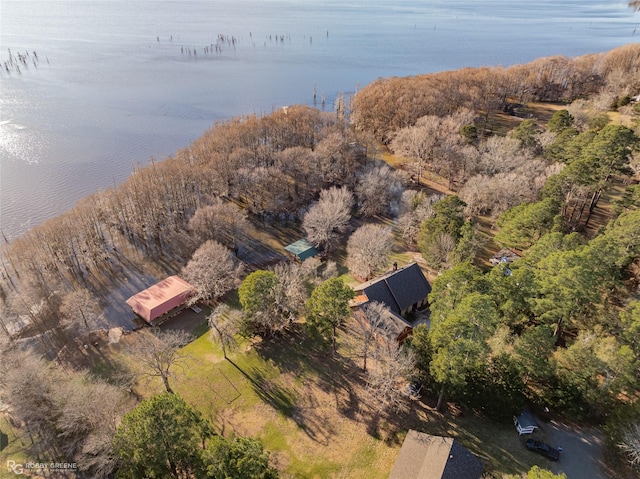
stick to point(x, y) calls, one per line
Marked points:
point(117, 82)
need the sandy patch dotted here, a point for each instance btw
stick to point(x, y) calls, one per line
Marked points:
point(114, 335)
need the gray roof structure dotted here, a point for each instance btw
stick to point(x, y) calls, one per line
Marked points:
point(398, 289)
point(423, 456)
point(525, 422)
point(302, 249)
point(505, 255)
point(525, 418)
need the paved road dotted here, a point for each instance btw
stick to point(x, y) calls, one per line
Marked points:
point(582, 449)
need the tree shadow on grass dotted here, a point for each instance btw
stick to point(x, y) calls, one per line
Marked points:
point(302, 410)
point(280, 398)
point(307, 357)
point(312, 362)
point(391, 425)
point(308, 416)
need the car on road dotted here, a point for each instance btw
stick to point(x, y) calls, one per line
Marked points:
point(542, 448)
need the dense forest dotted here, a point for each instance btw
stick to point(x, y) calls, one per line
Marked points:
point(558, 328)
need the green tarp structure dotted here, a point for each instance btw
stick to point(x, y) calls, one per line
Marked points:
point(302, 249)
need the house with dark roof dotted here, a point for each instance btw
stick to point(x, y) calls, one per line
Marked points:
point(403, 290)
point(423, 456)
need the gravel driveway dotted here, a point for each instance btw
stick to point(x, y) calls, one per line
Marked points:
point(582, 448)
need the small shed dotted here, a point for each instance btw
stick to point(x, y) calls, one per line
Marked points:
point(302, 249)
point(525, 423)
point(159, 301)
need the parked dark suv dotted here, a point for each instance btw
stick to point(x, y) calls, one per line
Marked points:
point(543, 448)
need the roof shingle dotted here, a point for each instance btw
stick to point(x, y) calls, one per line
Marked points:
point(423, 456)
point(399, 289)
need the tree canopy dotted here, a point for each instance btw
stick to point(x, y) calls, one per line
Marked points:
point(459, 341)
point(328, 307)
point(440, 233)
point(240, 457)
point(522, 226)
point(162, 438)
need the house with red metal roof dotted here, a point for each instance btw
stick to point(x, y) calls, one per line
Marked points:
point(160, 301)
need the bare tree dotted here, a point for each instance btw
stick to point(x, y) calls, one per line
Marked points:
point(387, 380)
point(328, 217)
point(223, 322)
point(66, 413)
point(290, 292)
point(417, 142)
point(7, 317)
point(452, 151)
point(341, 106)
point(373, 327)
point(265, 299)
point(368, 250)
point(631, 444)
point(90, 411)
point(264, 190)
point(506, 186)
point(38, 313)
point(330, 271)
point(159, 354)
point(28, 385)
point(301, 165)
point(437, 142)
point(499, 154)
point(440, 248)
point(221, 221)
point(415, 208)
point(274, 299)
point(213, 270)
point(379, 190)
point(339, 157)
point(81, 302)
point(310, 271)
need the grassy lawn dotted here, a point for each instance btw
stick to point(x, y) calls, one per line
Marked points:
point(295, 397)
point(311, 410)
point(14, 443)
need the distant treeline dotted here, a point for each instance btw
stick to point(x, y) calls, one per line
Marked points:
point(387, 105)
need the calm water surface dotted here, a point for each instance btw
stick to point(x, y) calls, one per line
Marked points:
point(114, 85)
